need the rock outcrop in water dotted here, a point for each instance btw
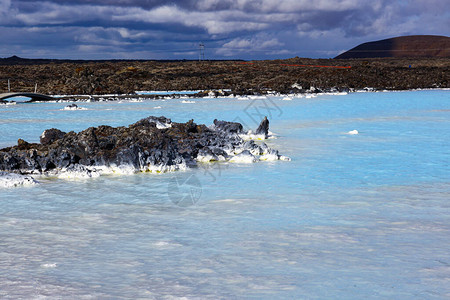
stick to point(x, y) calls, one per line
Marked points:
point(263, 128)
point(153, 144)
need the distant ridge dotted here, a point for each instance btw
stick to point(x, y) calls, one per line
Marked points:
point(15, 60)
point(403, 46)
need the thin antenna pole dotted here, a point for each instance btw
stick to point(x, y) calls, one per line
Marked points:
point(35, 88)
point(9, 87)
point(201, 52)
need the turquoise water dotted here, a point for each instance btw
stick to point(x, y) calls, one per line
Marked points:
point(350, 217)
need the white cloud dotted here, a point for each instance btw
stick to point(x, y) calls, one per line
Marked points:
point(91, 48)
point(130, 34)
point(55, 14)
point(287, 6)
point(282, 52)
point(258, 43)
point(213, 22)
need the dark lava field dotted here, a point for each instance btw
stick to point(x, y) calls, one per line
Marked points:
point(55, 77)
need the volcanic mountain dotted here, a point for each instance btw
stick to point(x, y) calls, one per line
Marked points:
point(403, 46)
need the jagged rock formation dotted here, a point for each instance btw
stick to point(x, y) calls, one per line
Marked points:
point(403, 46)
point(263, 128)
point(151, 144)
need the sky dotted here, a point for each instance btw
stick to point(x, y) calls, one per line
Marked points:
point(228, 29)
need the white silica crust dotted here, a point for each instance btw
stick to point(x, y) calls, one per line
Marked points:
point(83, 172)
point(244, 157)
point(73, 108)
point(269, 157)
point(78, 172)
point(257, 137)
point(8, 180)
point(164, 168)
point(161, 125)
point(206, 158)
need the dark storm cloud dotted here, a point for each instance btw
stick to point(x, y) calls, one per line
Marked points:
point(228, 28)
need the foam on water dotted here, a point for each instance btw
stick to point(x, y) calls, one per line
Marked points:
point(8, 180)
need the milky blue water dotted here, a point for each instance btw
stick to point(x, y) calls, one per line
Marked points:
point(362, 216)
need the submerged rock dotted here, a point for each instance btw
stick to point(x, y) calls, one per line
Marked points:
point(154, 144)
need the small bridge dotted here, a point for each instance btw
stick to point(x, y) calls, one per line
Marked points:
point(33, 96)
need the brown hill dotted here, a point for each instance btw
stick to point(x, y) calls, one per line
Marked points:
point(404, 46)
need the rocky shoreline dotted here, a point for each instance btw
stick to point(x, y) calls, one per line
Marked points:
point(295, 75)
point(153, 144)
